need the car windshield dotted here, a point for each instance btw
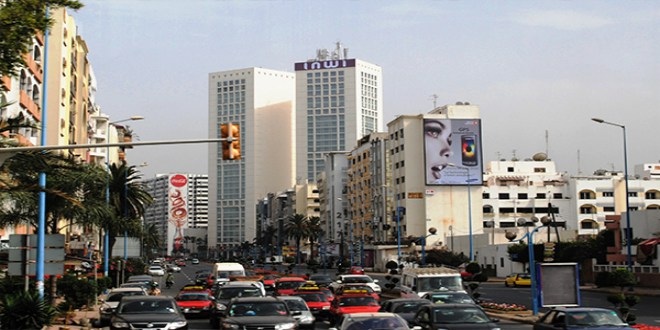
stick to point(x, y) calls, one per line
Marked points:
point(258, 309)
point(296, 305)
point(594, 318)
point(426, 284)
point(524, 276)
point(289, 285)
point(313, 297)
point(117, 296)
point(409, 307)
point(358, 301)
point(148, 307)
point(357, 279)
point(228, 293)
point(451, 298)
point(192, 296)
point(324, 278)
point(377, 323)
point(459, 315)
point(227, 273)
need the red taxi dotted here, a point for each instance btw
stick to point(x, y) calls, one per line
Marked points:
point(356, 270)
point(357, 286)
point(328, 293)
point(316, 300)
point(353, 301)
point(285, 286)
point(195, 302)
point(194, 287)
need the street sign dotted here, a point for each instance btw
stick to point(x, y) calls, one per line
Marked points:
point(50, 268)
point(49, 255)
point(23, 253)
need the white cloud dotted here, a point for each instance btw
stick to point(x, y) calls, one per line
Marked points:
point(560, 19)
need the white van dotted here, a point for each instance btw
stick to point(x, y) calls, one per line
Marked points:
point(223, 270)
point(423, 280)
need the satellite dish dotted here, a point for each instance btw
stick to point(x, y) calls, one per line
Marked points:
point(521, 221)
point(540, 156)
point(510, 235)
point(535, 219)
point(545, 220)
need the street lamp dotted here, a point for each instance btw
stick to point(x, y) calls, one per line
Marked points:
point(532, 267)
point(106, 240)
point(469, 192)
point(625, 170)
point(432, 232)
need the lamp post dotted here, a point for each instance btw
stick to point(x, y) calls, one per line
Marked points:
point(469, 193)
point(106, 239)
point(625, 173)
point(532, 267)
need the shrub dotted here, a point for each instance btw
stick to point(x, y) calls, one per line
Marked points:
point(78, 291)
point(25, 310)
point(603, 279)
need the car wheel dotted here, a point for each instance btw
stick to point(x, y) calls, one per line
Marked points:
point(506, 284)
point(515, 285)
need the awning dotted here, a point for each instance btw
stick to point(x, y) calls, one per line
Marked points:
point(647, 250)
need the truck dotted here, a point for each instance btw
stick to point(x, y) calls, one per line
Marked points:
point(422, 280)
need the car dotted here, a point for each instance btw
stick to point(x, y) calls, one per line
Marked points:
point(581, 318)
point(351, 287)
point(404, 307)
point(315, 299)
point(269, 281)
point(285, 286)
point(518, 279)
point(195, 261)
point(181, 263)
point(110, 301)
point(173, 268)
point(195, 302)
point(254, 284)
point(258, 313)
point(449, 297)
point(225, 293)
point(349, 303)
point(356, 270)
point(156, 271)
point(343, 279)
point(202, 278)
point(141, 312)
point(296, 304)
point(321, 279)
point(369, 321)
point(144, 286)
point(453, 317)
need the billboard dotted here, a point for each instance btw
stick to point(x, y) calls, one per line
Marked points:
point(456, 142)
point(177, 205)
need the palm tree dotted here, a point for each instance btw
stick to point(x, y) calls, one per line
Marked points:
point(315, 231)
point(297, 228)
point(150, 239)
point(128, 200)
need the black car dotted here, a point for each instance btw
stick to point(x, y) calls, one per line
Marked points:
point(321, 279)
point(453, 317)
point(449, 297)
point(404, 307)
point(224, 294)
point(147, 312)
point(591, 318)
point(258, 312)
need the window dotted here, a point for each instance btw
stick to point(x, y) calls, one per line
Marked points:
point(509, 169)
point(503, 196)
point(557, 196)
point(522, 196)
point(632, 194)
point(485, 196)
point(608, 208)
point(651, 195)
point(608, 194)
point(540, 196)
point(587, 225)
point(539, 170)
point(586, 210)
point(586, 195)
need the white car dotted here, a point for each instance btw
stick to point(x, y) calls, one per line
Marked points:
point(362, 279)
point(111, 300)
point(156, 271)
point(173, 268)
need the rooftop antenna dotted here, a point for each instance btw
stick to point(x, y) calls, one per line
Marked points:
point(547, 144)
point(579, 171)
point(434, 97)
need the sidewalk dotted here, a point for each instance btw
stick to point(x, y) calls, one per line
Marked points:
point(78, 320)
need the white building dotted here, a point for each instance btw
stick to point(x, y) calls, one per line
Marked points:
point(333, 202)
point(339, 100)
point(262, 103)
point(179, 211)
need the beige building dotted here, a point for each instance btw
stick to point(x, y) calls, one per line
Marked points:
point(262, 103)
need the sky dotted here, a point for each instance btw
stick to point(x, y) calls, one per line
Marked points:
point(538, 70)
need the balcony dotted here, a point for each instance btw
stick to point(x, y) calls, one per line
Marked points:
point(27, 103)
point(34, 67)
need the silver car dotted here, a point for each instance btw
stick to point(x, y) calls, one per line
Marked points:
point(306, 318)
point(112, 299)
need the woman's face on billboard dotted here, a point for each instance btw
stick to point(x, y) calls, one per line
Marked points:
point(437, 139)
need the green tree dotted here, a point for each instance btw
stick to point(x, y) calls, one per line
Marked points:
point(25, 310)
point(128, 201)
point(151, 239)
point(297, 228)
point(19, 21)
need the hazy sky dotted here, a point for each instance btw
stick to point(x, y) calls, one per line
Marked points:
point(531, 66)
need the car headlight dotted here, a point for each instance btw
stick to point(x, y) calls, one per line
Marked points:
point(207, 307)
point(178, 324)
point(326, 308)
point(495, 329)
point(220, 307)
point(120, 324)
point(307, 319)
point(285, 326)
point(230, 326)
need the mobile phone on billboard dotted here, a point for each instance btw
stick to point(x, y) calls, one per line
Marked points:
point(469, 150)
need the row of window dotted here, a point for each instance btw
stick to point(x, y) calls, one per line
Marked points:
point(325, 102)
point(326, 73)
point(523, 196)
point(591, 195)
point(326, 111)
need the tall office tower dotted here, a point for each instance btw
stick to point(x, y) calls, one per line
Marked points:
point(179, 211)
point(339, 100)
point(261, 102)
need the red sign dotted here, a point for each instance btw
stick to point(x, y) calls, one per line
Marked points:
point(179, 180)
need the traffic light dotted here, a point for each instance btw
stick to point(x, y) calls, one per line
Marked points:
point(231, 143)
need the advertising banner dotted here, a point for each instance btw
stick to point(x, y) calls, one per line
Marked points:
point(177, 206)
point(452, 151)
